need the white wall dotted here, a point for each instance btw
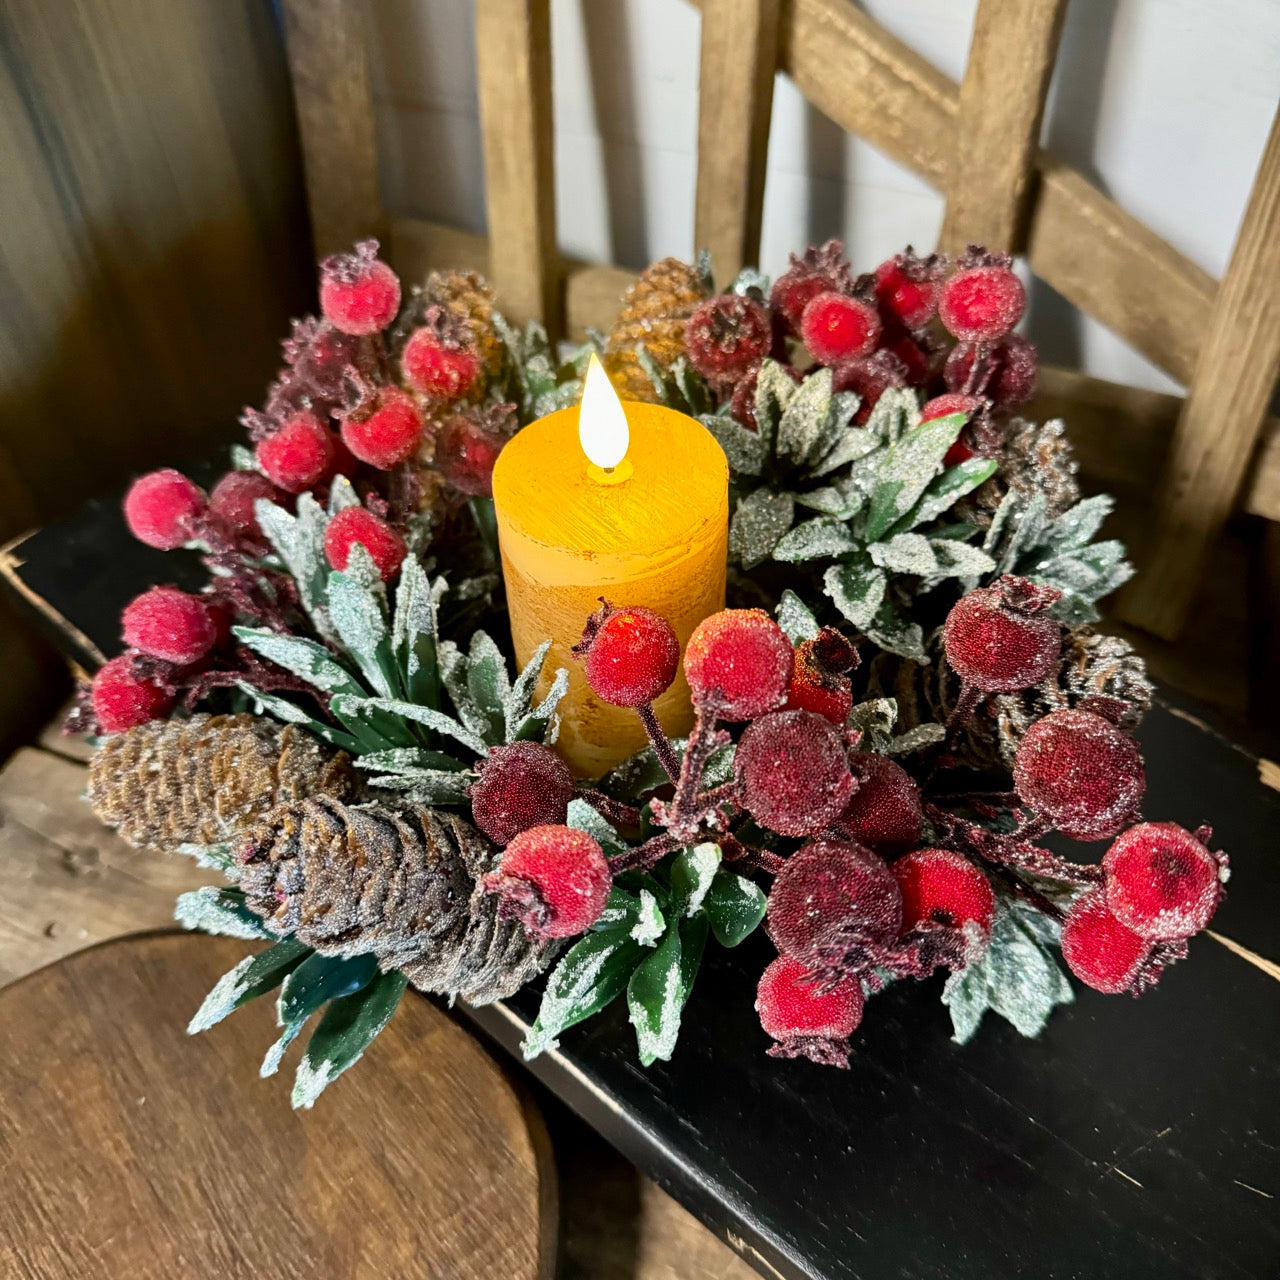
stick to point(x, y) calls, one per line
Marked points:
point(1165, 103)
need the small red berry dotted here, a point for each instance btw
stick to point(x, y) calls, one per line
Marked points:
point(907, 288)
point(160, 508)
point(522, 785)
point(836, 327)
point(1009, 375)
point(1099, 950)
point(1082, 772)
point(468, 445)
point(940, 887)
point(983, 302)
point(628, 655)
point(911, 355)
point(870, 376)
point(298, 455)
point(820, 270)
point(234, 498)
point(170, 624)
point(379, 539)
point(818, 680)
point(791, 772)
point(321, 358)
point(359, 294)
point(440, 362)
point(389, 434)
point(743, 658)
point(999, 639)
point(553, 879)
point(805, 1018)
point(122, 699)
point(726, 336)
point(1162, 882)
point(885, 813)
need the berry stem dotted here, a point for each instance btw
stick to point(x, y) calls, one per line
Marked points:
point(962, 713)
point(615, 811)
point(645, 856)
point(686, 812)
point(750, 856)
point(661, 744)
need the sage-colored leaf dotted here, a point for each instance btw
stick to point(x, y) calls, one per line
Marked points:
point(856, 589)
point(908, 469)
point(254, 976)
point(305, 658)
point(796, 618)
point(759, 521)
point(219, 911)
point(815, 539)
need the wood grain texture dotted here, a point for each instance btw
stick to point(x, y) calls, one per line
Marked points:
point(1218, 428)
point(1002, 97)
point(735, 99)
point(513, 62)
point(329, 64)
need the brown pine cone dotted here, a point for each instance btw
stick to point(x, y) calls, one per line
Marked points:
point(397, 881)
point(468, 296)
point(653, 314)
point(1038, 458)
point(208, 778)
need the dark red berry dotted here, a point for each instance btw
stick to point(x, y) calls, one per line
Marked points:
point(441, 366)
point(818, 680)
point(1082, 772)
point(233, 500)
point(836, 327)
point(170, 624)
point(321, 358)
point(907, 288)
point(357, 525)
point(387, 435)
point(726, 336)
point(520, 786)
point(122, 699)
point(911, 355)
point(1008, 374)
point(1099, 950)
point(161, 508)
point(982, 303)
point(819, 270)
point(791, 772)
point(940, 887)
point(885, 813)
point(1162, 882)
point(870, 376)
point(630, 655)
point(298, 455)
point(468, 444)
point(358, 293)
point(743, 659)
point(808, 1019)
point(999, 639)
point(554, 879)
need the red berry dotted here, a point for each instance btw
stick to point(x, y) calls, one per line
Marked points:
point(870, 376)
point(467, 447)
point(520, 786)
point(907, 289)
point(438, 365)
point(818, 682)
point(1009, 374)
point(170, 624)
point(1162, 882)
point(122, 699)
point(358, 293)
point(998, 638)
point(807, 1019)
point(1082, 772)
point(743, 658)
point(321, 357)
point(953, 402)
point(629, 656)
point(819, 270)
point(379, 539)
point(912, 356)
point(553, 879)
point(791, 772)
point(233, 500)
point(298, 455)
point(830, 902)
point(726, 336)
point(940, 887)
point(836, 327)
point(160, 508)
point(1099, 950)
point(982, 303)
point(885, 813)
point(389, 434)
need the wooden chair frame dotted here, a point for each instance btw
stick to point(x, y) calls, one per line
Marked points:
point(978, 142)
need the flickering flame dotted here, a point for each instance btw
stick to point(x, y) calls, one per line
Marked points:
point(602, 422)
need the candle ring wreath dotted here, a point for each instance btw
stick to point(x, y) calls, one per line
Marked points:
point(904, 697)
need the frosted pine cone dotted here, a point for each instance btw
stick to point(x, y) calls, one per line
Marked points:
point(653, 315)
point(208, 778)
point(396, 881)
point(468, 296)
point(1038, 458)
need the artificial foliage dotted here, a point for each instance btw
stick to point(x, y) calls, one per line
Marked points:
point(907, 694)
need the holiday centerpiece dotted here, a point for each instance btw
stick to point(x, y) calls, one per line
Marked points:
point(498, 677)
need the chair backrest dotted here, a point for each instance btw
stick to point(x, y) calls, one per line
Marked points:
point(978, 142)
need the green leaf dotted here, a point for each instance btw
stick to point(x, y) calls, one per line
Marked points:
point(796, 618)
point(856, 589)
point(759, 520)
point(586, 817)
point(1075, 527)
point(543, 723)
point(254, 976)
point(358, 616)
point(299, 542)
point(946, 490)
point(291, 713)
point(907, 471)
point(407, 759)
point(275, 1055)
point(660, 988)
point(905, 553)
point(747, 451)
point(823, 537)
point(734, 906)
point(305, 658)
point(893, 416)
point(691, 874)
point(519, 701)
point(413, 635)
point(891, 631)
point(960, 559)
point(621, 911)
point(342, 494)
point(802, 434)
point(219, 911)
point(426, 786)
point(348, 1028)
point(319, 979)
point(355, 708)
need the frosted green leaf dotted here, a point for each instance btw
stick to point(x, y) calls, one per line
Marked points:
point(220, 911)
point(586, 817)
point(621, 911)
point(905, 553)
point(946, 490)
point(960, 559)
point(304, 658)
point(519, 700)
point(734, 906)
point(907, 470)
point(774, 389)
point(650, 922)
point(894, 414)
point(660, 987)
point(356, 612)
point(842, 501)
point(796, 618)
point(242, 459)
point(299, 542)
point(761, 518)
point(413, 633)
point(746, 451)
point(215, 857)
point(254, 976)
point(345, 708)
point(427, 786)
point(543, 722)
point(1074, 610)
point(923, 735)
point(342, 495)
point(856, 590)
point(1077, 525)
point(875, 716)
point(488, 685)
point(319, 979)
point(802, 426)
point(815, 539)
point(291, 713)
point(748, 279)
point(1022, 531)
point(852, 444)
point(891, 631)
point(692, 873)
point(275, 1055)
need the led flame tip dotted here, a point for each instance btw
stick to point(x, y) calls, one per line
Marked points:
point(602, 421)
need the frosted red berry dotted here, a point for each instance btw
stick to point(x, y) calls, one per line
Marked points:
point(359, 294)
point(821, 269)
point(907, 289)
point(468, 445)
point(791, 772)
point(836, 327)
point(357, 525)
point(298, 455)
point(807, 1018)
point(999, 639)
point(1082, 772)
point(1103, 953)
point(629, 655)
point(870, 377)
point(233, 500)
point(554, 879)
point(818, 680)
point(941, 887)
point(437, 365)
point(1008, 375)
point(885, 812)
point(743, 659)
point(170, 624)
point(161, 508)
point(830, 900)
point(1161, 881)
point(522, 785)
point(982, 303)
point(121, 699)
point(726, 336)
point(388, 433)
point(912, 357)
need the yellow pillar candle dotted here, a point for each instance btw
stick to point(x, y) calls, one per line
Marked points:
point(626, 501)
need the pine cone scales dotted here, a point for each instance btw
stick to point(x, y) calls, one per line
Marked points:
point(400, 882)
point(469, 297)
point(208, 778)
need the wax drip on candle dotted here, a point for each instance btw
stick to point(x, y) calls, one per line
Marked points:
point(602, 427)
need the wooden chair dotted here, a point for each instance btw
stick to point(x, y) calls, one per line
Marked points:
point(977, 141)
